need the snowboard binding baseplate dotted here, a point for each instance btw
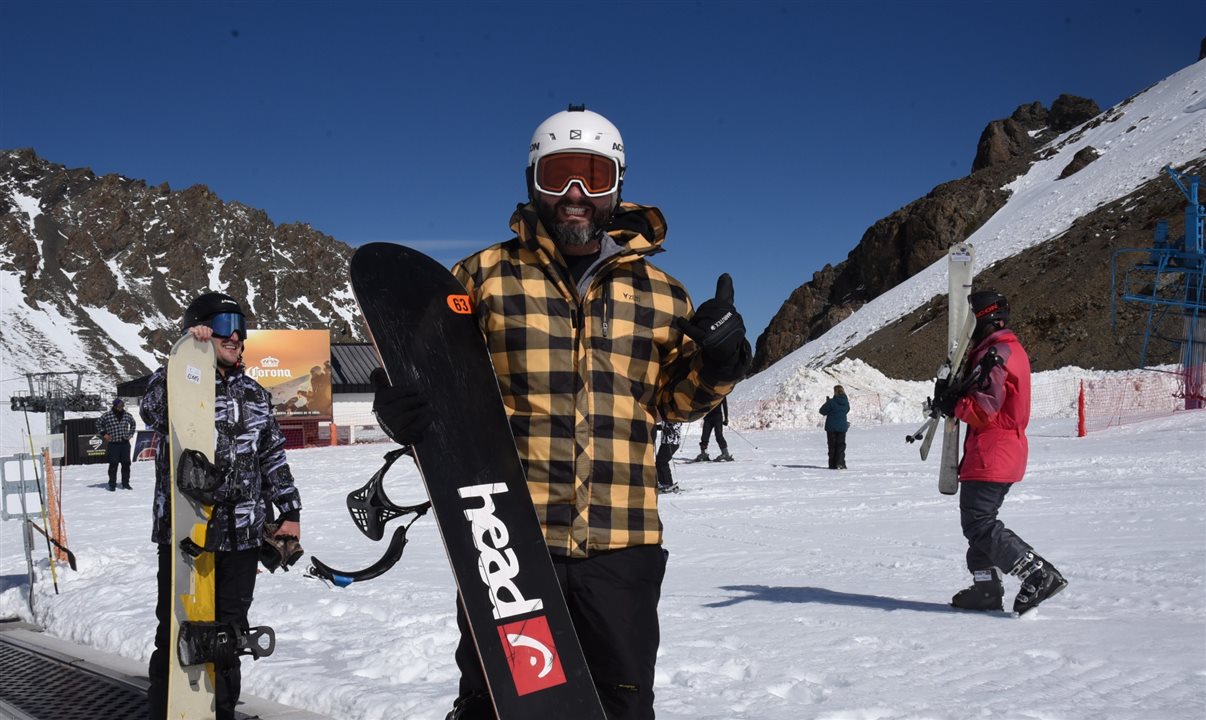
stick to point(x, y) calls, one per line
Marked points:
point(222, 644)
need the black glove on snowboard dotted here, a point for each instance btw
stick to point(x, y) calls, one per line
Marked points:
point(719, 331)
point(402, 412)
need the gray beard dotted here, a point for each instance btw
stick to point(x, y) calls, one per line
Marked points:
point(577, 236)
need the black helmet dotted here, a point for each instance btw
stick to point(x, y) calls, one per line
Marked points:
point(206, 306)
point(989, 306)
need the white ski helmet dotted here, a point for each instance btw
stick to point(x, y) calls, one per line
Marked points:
point(576, 129)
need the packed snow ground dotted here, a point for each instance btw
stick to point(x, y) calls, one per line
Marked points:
point(792, 591)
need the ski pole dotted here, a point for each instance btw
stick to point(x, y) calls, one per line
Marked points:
point(686, 433)
point(734, 431)
point(54, 577)
point(59, 545)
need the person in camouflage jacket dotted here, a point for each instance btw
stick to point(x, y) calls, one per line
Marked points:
point(250, 457)
point(250, 453)
point(592, 344)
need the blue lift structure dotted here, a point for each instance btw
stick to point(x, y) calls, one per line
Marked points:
point(1169, 284)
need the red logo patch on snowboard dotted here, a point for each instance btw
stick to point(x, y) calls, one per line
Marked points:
point(531, 655)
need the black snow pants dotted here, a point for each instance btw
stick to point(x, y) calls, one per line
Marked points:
point(234, 585)
point(665, 453)
point(710, 423)
point(989, 542)
point(118, 454)
point(612, 598)
point(837, 449)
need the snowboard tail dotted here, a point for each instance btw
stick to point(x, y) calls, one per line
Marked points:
point(426, 333)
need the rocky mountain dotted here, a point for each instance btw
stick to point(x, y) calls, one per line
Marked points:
point(95, 271)
point(1063, 287)
point(912, 238)
point(1061, 294)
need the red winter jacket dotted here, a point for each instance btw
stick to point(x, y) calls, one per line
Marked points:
point(995, 449)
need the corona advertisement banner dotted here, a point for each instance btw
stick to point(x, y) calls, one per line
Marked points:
point(295, 366)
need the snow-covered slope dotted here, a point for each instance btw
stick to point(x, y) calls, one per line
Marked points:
point(1163, 125)
point(791, 592)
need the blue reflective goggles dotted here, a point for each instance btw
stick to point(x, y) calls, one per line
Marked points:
point(226, 324)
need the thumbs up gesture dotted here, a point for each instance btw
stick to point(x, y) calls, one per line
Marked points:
point(719, 331)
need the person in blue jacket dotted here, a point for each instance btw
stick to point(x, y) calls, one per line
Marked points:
point(835, 410)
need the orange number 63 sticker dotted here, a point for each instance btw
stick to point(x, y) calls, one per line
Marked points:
point(460, 304)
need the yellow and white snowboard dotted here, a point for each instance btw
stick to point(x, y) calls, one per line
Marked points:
point(190, 391)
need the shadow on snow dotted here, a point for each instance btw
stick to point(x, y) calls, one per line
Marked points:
point(822, 596)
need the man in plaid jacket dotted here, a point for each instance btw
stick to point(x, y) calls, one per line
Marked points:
point(592, 344)
point(116, 426)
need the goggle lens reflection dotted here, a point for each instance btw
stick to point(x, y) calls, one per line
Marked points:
point(598, 175)
point(226, 324)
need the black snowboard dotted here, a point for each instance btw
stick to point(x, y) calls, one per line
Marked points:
point(426, 334)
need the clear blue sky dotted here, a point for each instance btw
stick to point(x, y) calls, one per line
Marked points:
point(771, 134)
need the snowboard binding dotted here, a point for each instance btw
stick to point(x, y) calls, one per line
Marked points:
point(222, 644)
point(197, 477)
point(371, 509)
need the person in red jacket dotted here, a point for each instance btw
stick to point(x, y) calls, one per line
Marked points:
point(994, 401)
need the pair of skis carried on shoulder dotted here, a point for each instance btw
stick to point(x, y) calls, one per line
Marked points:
point(961, 323)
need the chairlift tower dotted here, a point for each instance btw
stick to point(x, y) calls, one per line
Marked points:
point(1168, 283)
point(55, 393)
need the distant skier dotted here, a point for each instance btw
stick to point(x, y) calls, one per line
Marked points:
point(117, 427)
point(835, 411)
point(671, 437)
point(250, 457)
point(715, 421)
point(995, 404)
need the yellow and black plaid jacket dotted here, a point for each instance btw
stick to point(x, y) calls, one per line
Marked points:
point(585, 373)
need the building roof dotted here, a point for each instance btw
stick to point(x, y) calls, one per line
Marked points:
point(351, 364)
point(135, 388)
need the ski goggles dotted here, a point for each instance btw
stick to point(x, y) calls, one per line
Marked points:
point(597, 175)
point(226, 324)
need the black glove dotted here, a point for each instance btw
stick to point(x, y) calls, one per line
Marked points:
point(945, 398)
point(402, 412)
point(947, 393)
point(719, 331)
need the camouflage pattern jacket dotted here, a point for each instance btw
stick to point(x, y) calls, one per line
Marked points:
point(250, 456)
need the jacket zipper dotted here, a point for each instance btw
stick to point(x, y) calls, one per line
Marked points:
point(606, 305)
point(578, 321)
